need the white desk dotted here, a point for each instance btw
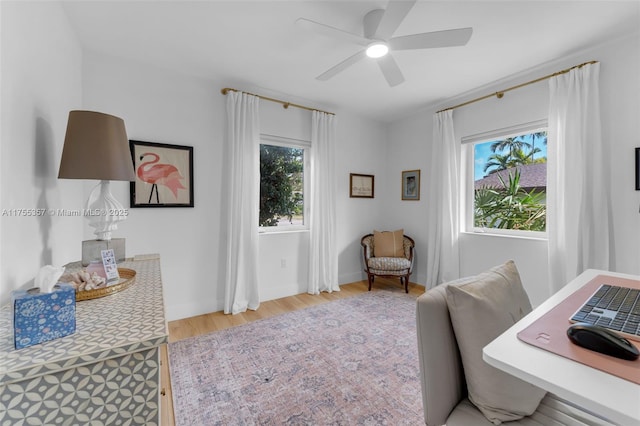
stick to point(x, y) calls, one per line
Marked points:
point(600, 393)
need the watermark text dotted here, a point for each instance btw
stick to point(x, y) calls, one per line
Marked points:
point(38, 212)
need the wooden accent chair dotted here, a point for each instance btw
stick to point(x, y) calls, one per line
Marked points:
point(386, 266)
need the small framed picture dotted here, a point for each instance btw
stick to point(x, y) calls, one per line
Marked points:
point(360, 186)
point(411, 185)
point(637, 169)
point(164, 175)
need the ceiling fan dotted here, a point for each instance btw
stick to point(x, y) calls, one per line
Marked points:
point(379, 26)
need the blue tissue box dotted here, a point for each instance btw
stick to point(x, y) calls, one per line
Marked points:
point(40, 317)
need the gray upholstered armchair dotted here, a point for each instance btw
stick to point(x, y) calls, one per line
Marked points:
point(384, 265)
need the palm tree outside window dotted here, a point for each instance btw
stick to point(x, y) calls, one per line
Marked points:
point(509, 183)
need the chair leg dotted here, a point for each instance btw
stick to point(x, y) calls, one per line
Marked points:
point(370, 278)
point(406, 284)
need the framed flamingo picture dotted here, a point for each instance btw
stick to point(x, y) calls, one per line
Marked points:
point(164, 175)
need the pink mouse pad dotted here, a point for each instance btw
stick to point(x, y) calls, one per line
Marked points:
point(549, 332)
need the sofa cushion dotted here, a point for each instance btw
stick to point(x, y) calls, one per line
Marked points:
point(552, 411)
point(481, 310)
point(388, 243)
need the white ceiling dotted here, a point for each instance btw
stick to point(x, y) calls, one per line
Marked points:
point(256, 44)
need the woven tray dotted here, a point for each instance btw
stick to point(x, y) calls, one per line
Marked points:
point(127, 278)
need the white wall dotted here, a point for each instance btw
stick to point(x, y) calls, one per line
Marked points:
point(620, 103)
point(361, 148)
point(162, 106)
point(47, 74)
point(408, 150)
point(620, 94)
point(40, 83)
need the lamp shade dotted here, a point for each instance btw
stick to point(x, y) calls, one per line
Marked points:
point(96, 147)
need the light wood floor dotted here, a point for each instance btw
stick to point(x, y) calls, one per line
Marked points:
point(203, 324)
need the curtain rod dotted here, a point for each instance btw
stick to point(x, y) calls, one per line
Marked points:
point(285, 105)
point(501, 93)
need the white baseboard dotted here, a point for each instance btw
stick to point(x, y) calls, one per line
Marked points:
point(201, 307)
point(187, 310)
point(280, 291)
point(352, 277)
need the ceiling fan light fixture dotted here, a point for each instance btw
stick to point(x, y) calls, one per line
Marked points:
point(377, 50)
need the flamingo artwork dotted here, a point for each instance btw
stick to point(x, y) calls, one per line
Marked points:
point(159, 174)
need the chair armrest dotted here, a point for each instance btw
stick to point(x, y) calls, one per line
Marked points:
point(408, 245)
point(411, 258)
point(367, 246)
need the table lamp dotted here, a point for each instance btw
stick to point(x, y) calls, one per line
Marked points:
point(96, 147)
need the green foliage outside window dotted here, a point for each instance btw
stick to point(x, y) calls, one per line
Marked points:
point(518, 152)
point(510, 207)
point(281, 184)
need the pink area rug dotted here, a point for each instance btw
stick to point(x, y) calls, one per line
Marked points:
point(352, 361)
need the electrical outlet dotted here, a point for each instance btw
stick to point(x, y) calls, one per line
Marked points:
point(283, 263)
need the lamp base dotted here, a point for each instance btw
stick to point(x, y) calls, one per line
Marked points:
point(91, 249)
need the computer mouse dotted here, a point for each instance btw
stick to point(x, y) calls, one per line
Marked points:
point(602, 340)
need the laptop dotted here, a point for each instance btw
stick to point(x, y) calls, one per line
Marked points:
point(614, 307)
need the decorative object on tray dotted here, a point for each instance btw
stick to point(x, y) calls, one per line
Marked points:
point(90, 285)
point(85, 280)
point(110, 267)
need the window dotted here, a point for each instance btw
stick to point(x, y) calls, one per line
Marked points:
point(283, 168)
point(507, 189)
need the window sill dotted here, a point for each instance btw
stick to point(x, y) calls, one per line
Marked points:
point(283, 231)
point(518, 237)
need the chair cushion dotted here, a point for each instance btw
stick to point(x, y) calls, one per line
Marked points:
point(389, 263)
point(388, 243)
point(481, 310)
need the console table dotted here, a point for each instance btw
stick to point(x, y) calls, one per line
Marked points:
point(107, 372)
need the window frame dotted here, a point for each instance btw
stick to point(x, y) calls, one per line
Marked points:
point(468, 144)
point(267, 139)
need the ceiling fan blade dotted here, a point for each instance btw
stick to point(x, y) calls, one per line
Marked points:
point(393, 16)
point(446, 38)
point(332, 32)
point(341, 66)
point(390, 69)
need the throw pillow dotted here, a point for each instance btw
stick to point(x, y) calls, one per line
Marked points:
point(388, 243)
point(481, 309)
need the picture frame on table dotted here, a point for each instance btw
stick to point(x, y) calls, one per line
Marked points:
point(411, 185)
point(164, 175)
point(361, 186)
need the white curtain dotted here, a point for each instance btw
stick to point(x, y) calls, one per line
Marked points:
point(243, 145)
point(578, 203)
point(323, 255)
point(443, 209)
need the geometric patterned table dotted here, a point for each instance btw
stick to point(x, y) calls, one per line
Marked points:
point(106, 373)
